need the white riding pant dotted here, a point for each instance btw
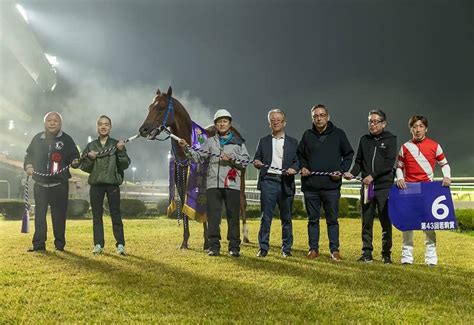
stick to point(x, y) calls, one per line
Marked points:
point(430, 247)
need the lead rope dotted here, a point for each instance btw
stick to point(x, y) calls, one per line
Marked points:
point(25, 224)
point(100, 153)
point(248, 162)
point(25, 221)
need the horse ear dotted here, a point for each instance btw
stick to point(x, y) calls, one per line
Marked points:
point(158, 92)
point(170, 91)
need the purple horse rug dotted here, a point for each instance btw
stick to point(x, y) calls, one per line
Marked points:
point(195, 197)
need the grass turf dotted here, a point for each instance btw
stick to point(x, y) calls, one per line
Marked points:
point(156, 282)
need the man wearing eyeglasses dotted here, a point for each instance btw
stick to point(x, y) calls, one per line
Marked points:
point(323, 148)
point(375, 161)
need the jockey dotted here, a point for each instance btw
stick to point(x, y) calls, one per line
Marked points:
point(416, 163)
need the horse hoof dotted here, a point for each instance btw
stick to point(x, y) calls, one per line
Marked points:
point(246, 241)
point(183, 246)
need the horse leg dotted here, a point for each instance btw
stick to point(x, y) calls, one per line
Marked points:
point(184, 244)
point(206, 240)
point(243, 207)
point(245, 227)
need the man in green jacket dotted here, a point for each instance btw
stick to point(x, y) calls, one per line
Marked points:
point(106, 174)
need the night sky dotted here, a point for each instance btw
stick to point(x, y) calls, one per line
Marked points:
point(404, 57)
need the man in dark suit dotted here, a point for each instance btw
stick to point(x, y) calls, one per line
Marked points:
point(278, 163)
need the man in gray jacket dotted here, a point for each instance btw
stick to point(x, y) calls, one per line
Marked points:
point(223, 180)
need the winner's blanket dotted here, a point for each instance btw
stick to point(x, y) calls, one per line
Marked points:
point(195, 199)
point(422, 206)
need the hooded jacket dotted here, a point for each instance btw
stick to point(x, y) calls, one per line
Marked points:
point(220, 173)
point(376, 156)
point(107, 169)
point(327, 151)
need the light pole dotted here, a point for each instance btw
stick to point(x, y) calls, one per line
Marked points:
point(134, 169)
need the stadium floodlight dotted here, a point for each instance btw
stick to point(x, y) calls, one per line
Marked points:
point(22, 12)
point(11, 125)
point(53, 60)
point(53, 86)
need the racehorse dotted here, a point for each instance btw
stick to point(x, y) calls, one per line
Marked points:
point(166, 111)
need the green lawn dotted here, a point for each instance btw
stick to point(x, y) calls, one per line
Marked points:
point(157, 282)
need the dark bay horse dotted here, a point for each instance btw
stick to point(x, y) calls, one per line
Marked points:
point(166, 111)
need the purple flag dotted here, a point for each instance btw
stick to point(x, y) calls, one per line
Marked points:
point(369, 193)
point(195, 201)
point(422, 206)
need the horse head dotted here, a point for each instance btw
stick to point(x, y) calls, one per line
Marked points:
point(166, 111)
point(160, 114)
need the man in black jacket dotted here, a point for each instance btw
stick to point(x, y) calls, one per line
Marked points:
point(46, 156)
point(276, 186)
point(323, 148)
point(375, 161)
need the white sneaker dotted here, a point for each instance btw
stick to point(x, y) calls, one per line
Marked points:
point(97, 250)
point(121, 250)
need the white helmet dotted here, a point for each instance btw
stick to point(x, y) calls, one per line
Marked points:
point(222, 113)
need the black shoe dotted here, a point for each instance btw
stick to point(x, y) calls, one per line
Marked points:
point(234, 254)
point(213, 253)
point(365, 259)
point(286, 254)
point(386, 260)
point(61, 249)
point(34, 249)
point(262, 253)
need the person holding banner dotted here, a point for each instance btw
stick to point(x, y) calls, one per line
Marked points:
point(375, 161)
point(416, 163)
point(323, 148)
point(223, 180)
point(47, 157)
point(276, 186)
point(105, 176)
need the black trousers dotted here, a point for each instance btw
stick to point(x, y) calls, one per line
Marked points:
point(231, 198)
point(97, 194)
point(57, 198)
point(379, 203)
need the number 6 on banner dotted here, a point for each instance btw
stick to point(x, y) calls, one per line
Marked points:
point(437, 205)
point(422, 205)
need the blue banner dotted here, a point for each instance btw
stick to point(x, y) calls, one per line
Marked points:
point(422, 206)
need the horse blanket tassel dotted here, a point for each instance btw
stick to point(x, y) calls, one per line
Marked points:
point(25, 221)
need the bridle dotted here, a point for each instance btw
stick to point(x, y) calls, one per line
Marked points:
point(163, 126)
